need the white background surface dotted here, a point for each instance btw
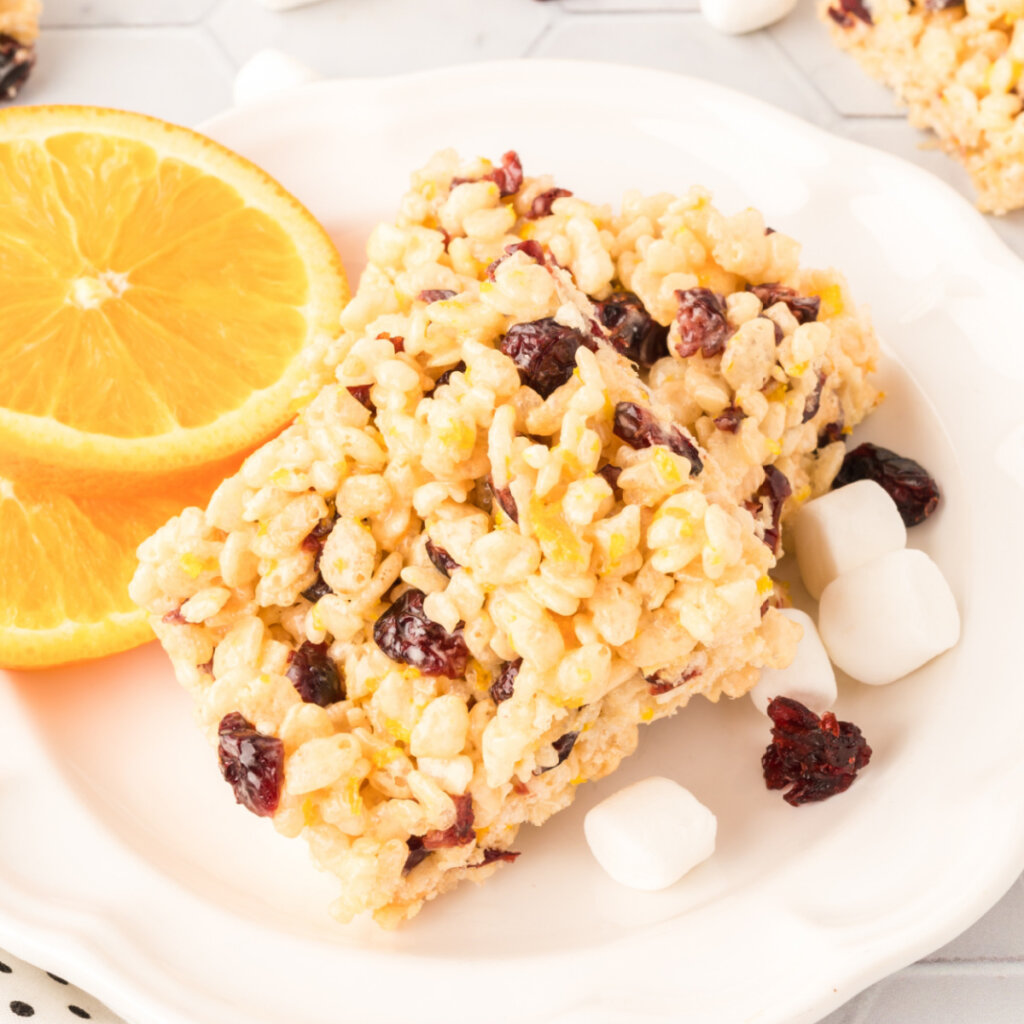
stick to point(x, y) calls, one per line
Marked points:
point(177, 58)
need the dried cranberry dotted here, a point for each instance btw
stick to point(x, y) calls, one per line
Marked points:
point(815, 757)
point(16, 62)
point(317, 589)
point(665, 680)
point(730, 418)
point(563, 748)
point(492, 855)
point(632, 330)
point(314, 541)
point(532, 249)
point(417, 853)
point(252, 763)
point(611, 474)
point(544, 353)
point(503, 496)
point(174, 617)
point(459, 834)
point(846, 10)
point(803, 307)
point(459, 367)
point(813, 403)
point(316, 538)
point(702, 323)
point(405, 634)
point(907, 482)
point(508, 177)
point(397, 341)
point(942, 5)
point(541, 205)
point(772, 494)
point(443, 562)
point(314, 675)
point(361, 393)
point(639, 428)
point(831, 432)
point(435, 294)
point(504, 682)
point(780, 334)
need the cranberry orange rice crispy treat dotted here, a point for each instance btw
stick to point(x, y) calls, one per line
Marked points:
point(19, 27)
point(488, 550)
point(957, 65)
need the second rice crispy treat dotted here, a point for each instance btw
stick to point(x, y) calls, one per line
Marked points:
point(957, 65)
point(19, 27)
point(489, 548)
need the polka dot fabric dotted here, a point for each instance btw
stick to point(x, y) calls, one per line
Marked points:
point(26, 992)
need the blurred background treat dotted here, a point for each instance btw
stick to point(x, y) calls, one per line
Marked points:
point(19, 26)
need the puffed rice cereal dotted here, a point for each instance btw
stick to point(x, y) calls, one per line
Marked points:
point(537, 506)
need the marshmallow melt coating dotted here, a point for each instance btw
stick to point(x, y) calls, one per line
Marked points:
point(738, 16)
point(885, 619)
point(843, 529)
point(648, 835)
point(810, 677)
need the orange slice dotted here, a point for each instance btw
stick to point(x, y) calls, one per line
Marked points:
point(65, 565)
point(162, 298)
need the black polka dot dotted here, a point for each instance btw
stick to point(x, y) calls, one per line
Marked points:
point(20, 1009)
point(4, 968)
point(79, 1012)
point(57, 978)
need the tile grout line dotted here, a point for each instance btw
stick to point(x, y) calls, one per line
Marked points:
point(866, 1003)
point(218, 43)
point(804, 77)
point(558, 16)
point(982, 967)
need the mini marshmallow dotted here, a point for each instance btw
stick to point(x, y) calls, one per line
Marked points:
point(651, 833)
point(882, 620)
point(843, 529)
point(738, 16)
point(269, 71)
point(810, 678)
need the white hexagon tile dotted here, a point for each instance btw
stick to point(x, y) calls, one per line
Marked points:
point(175, 72)
point(363, 37)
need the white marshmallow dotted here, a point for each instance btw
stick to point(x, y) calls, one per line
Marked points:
point(843, 529)
point(737, 16)
point(887, 618)
point(810, 678)
point(269, 71)
point(651, 833)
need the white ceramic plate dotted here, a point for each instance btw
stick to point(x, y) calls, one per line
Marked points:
point(125, 864)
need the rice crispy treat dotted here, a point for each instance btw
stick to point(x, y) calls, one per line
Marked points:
point(957, 65)
point(19, 27)
point(528, 511)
